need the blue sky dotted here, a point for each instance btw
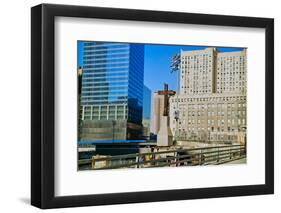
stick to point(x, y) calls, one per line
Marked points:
point(157, 61)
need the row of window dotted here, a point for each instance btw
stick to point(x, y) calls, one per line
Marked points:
point(105, 74)
point(230, 83)
point(106, 61)
point(105, 117)
point(110, 98)
point(219, 113)
point(192, 130)
point(104, 79)
point(104, 94)
point(107, 112)
point(218, 122)
point(105, 56)
point(107, 65)
point(196, 57)
point(105, 51)
point(105, 47)
point(105, 70)
point(105, 89)
point(236, 98)
point(230, 89)
point(103, 102)
point(97, 85)
point(99, 43)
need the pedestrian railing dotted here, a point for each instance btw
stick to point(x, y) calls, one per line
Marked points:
point(176, 157)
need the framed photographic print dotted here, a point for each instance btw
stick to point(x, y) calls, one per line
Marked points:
point(139, 106)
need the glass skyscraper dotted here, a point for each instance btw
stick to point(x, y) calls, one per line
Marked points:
point(146, 111)
point(111, 101)
point(146, 102)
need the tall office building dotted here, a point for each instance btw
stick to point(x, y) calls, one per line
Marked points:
point(111, 104)
point(146, 102)
point(212, 103)
point(231, 72)
point(146, 111)
point(197, 74)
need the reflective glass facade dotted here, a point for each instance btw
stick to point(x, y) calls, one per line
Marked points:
point(112, 82)
point(146, 103)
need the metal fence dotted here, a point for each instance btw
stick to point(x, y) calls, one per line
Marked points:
point(173, 158)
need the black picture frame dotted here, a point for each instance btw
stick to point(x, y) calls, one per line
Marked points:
point(43, 102)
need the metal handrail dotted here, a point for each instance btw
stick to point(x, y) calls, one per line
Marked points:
point(163, 152)
point(203, 156)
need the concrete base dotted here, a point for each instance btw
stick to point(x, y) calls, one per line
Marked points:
point(164, 136)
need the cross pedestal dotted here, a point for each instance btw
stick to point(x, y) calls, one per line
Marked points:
point(164, 136)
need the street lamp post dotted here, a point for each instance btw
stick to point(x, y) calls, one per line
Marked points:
point(176, 117)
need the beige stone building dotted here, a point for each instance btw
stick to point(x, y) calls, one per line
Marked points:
point(158, 109)
point(212, 102)
point(211, 117)
point(231, 72)
point(197, 74)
